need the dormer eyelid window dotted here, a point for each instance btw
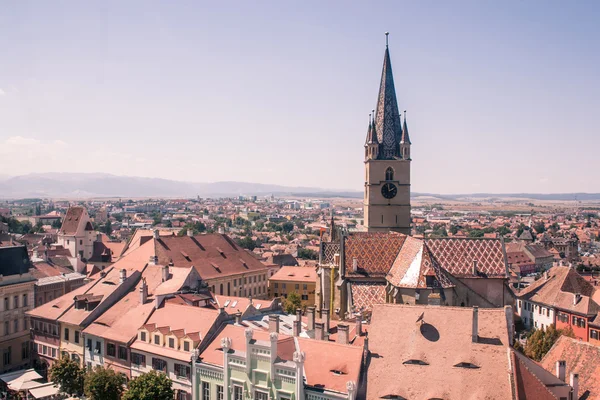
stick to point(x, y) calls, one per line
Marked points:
point(415, 362)
point(466, 365)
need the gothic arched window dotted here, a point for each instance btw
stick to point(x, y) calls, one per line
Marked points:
point(389, 174)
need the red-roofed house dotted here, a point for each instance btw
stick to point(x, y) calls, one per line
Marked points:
point(77, 233)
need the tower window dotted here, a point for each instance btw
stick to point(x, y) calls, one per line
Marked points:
point(389, 174)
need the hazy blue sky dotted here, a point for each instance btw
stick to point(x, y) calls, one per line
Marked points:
point(501, 96)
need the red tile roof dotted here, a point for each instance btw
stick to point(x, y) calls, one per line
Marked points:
point(202, 252)
point(581, 358)
point(72, 219)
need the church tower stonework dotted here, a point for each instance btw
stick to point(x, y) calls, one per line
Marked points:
point(387, 161)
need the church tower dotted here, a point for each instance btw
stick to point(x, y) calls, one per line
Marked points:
point(387, 161)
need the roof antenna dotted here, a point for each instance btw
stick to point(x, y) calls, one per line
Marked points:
point(386, 38)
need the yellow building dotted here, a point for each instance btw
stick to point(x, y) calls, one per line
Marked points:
point(302, 280)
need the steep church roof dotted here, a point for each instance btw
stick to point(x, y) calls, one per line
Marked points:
point(387, 117)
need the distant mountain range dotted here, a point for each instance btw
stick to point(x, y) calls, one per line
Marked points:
point(83, 185)
point(86, 185)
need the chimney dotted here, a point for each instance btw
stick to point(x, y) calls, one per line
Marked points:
point(576, 298)
point(354, 264)
point(143, 291)
point(510, 324)
point(274, 323)
point(343, 333)
point(155, 234)
point(98, 237)
point(153, 260)
point(190, 232)
point(122, 275)
point(310, 315)
point(297, 324)
point(238, 318)
point(474, 267)
point(221, 230)
point(359, 325)
point(165, 273)
point(325, 319)
point(546, 275)
point(575, 385)
point(561, 367)
point(319, 331)
point(475, 333)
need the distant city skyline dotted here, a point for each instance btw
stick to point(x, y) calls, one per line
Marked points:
point(500, 97)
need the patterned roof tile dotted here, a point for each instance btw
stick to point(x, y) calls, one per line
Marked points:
point(456, 255)
point(366, 294)
point(374, 251)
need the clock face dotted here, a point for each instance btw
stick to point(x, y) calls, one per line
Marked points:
point(389, 190)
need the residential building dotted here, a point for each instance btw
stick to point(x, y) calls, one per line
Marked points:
point(168, 340)
point(576, 363)
point(223, 266)
point(387, 161)
point(17, 294)
point(53, 281)
point(77, 233)
point(269, 365)
point(58, 324)
point(561, 297)
point(302, 280)
point(109, 337)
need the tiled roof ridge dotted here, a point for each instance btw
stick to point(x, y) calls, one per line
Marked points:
point(426, 307)
point(523, 365)
point(347, 346)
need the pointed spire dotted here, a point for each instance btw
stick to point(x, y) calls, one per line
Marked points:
point(405, 137)
point(387, 118)
point(371, 136)
point(333, 230)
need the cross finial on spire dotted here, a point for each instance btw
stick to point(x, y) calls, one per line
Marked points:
point(386, 38)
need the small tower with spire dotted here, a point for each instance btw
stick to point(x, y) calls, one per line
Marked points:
point(405, 141)
point(371, 144)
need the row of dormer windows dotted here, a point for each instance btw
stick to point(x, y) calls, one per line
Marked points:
point(168, 341)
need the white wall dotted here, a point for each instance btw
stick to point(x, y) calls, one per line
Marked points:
point(89, 355)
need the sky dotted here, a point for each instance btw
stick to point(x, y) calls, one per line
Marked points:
point(501, 97)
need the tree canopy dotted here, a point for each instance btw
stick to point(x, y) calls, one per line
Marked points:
point(292, 302)
point(541, 340)
point(68, 375)
point(152, 385)
point(103, 384)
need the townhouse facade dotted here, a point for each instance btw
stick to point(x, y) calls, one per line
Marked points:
point(564, 298)
point(301, 280)
point(168, 341)
point(245, 363)
point(17, 294)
